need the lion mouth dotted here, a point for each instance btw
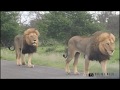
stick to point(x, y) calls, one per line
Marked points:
point(34, 44)
point(109, 52)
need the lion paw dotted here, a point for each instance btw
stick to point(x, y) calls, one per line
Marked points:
point(68, 72)
point(86, 74)
point(19, 64)
point(23, 63)
point(76, 73)
point(31, 66)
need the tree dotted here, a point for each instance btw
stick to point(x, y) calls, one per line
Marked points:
point(9, 27)
point(113, 24)
point(61, 25)
point(110, 20)
point(65, 24)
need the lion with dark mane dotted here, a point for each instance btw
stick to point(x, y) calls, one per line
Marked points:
point(100, 46)
point(26, 44)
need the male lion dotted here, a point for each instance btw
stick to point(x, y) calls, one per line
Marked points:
point(100, 46)
point(26, 44)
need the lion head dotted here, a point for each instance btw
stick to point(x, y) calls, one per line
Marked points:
point(31, 37)
point(106, 42)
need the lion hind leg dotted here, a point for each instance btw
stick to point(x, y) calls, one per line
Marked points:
point(23, 59)
point(67, 69)
point(69, 58)
point(75, 63)
point(29, 61)
point(18, 58)
point(19, 61)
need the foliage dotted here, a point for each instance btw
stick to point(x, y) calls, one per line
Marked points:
point(58, 26)
point(9, 27)
point(109, 20)
point(113, 24)
point(61, 25)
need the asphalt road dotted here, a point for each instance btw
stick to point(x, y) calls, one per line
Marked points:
point(9, 70)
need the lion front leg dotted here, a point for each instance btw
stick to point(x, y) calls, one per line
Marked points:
point(29, 61)
point(86, 71)
point(103, 65)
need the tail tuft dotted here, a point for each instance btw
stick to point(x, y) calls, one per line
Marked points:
point(66, 53)
point(65, 56)
point(10, 48)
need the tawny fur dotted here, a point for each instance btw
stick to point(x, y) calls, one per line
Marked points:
point(100, 46)
point(26, 44)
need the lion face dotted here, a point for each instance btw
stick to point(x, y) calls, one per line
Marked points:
point(31, 37)
point(107, 43)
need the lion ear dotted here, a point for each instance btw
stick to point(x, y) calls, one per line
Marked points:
point(37, 32)
point(112, 37)
point(102, 37)
point(26, 32)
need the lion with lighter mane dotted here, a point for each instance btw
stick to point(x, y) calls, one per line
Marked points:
point(100, 46)
point(26, 44)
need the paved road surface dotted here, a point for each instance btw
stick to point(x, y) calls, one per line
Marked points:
point(9, 70)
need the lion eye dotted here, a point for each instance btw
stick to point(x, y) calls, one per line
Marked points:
point(30, 36)
point(107, 43)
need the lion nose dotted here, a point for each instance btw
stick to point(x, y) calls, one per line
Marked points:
point(34, 40)
point(112, 50)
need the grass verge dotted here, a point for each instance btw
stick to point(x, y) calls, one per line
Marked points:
point(55, 59)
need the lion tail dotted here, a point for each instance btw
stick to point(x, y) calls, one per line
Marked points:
point(66, 53)
point(10, 48)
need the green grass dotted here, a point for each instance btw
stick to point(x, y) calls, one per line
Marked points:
point(52, 56)
point(7, 54)
point(115, 57)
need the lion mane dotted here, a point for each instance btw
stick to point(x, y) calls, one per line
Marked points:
point(95, 51)
point(26, 44)
point(100, 46)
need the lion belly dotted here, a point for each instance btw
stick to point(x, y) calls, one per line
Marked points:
point(28, 49)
